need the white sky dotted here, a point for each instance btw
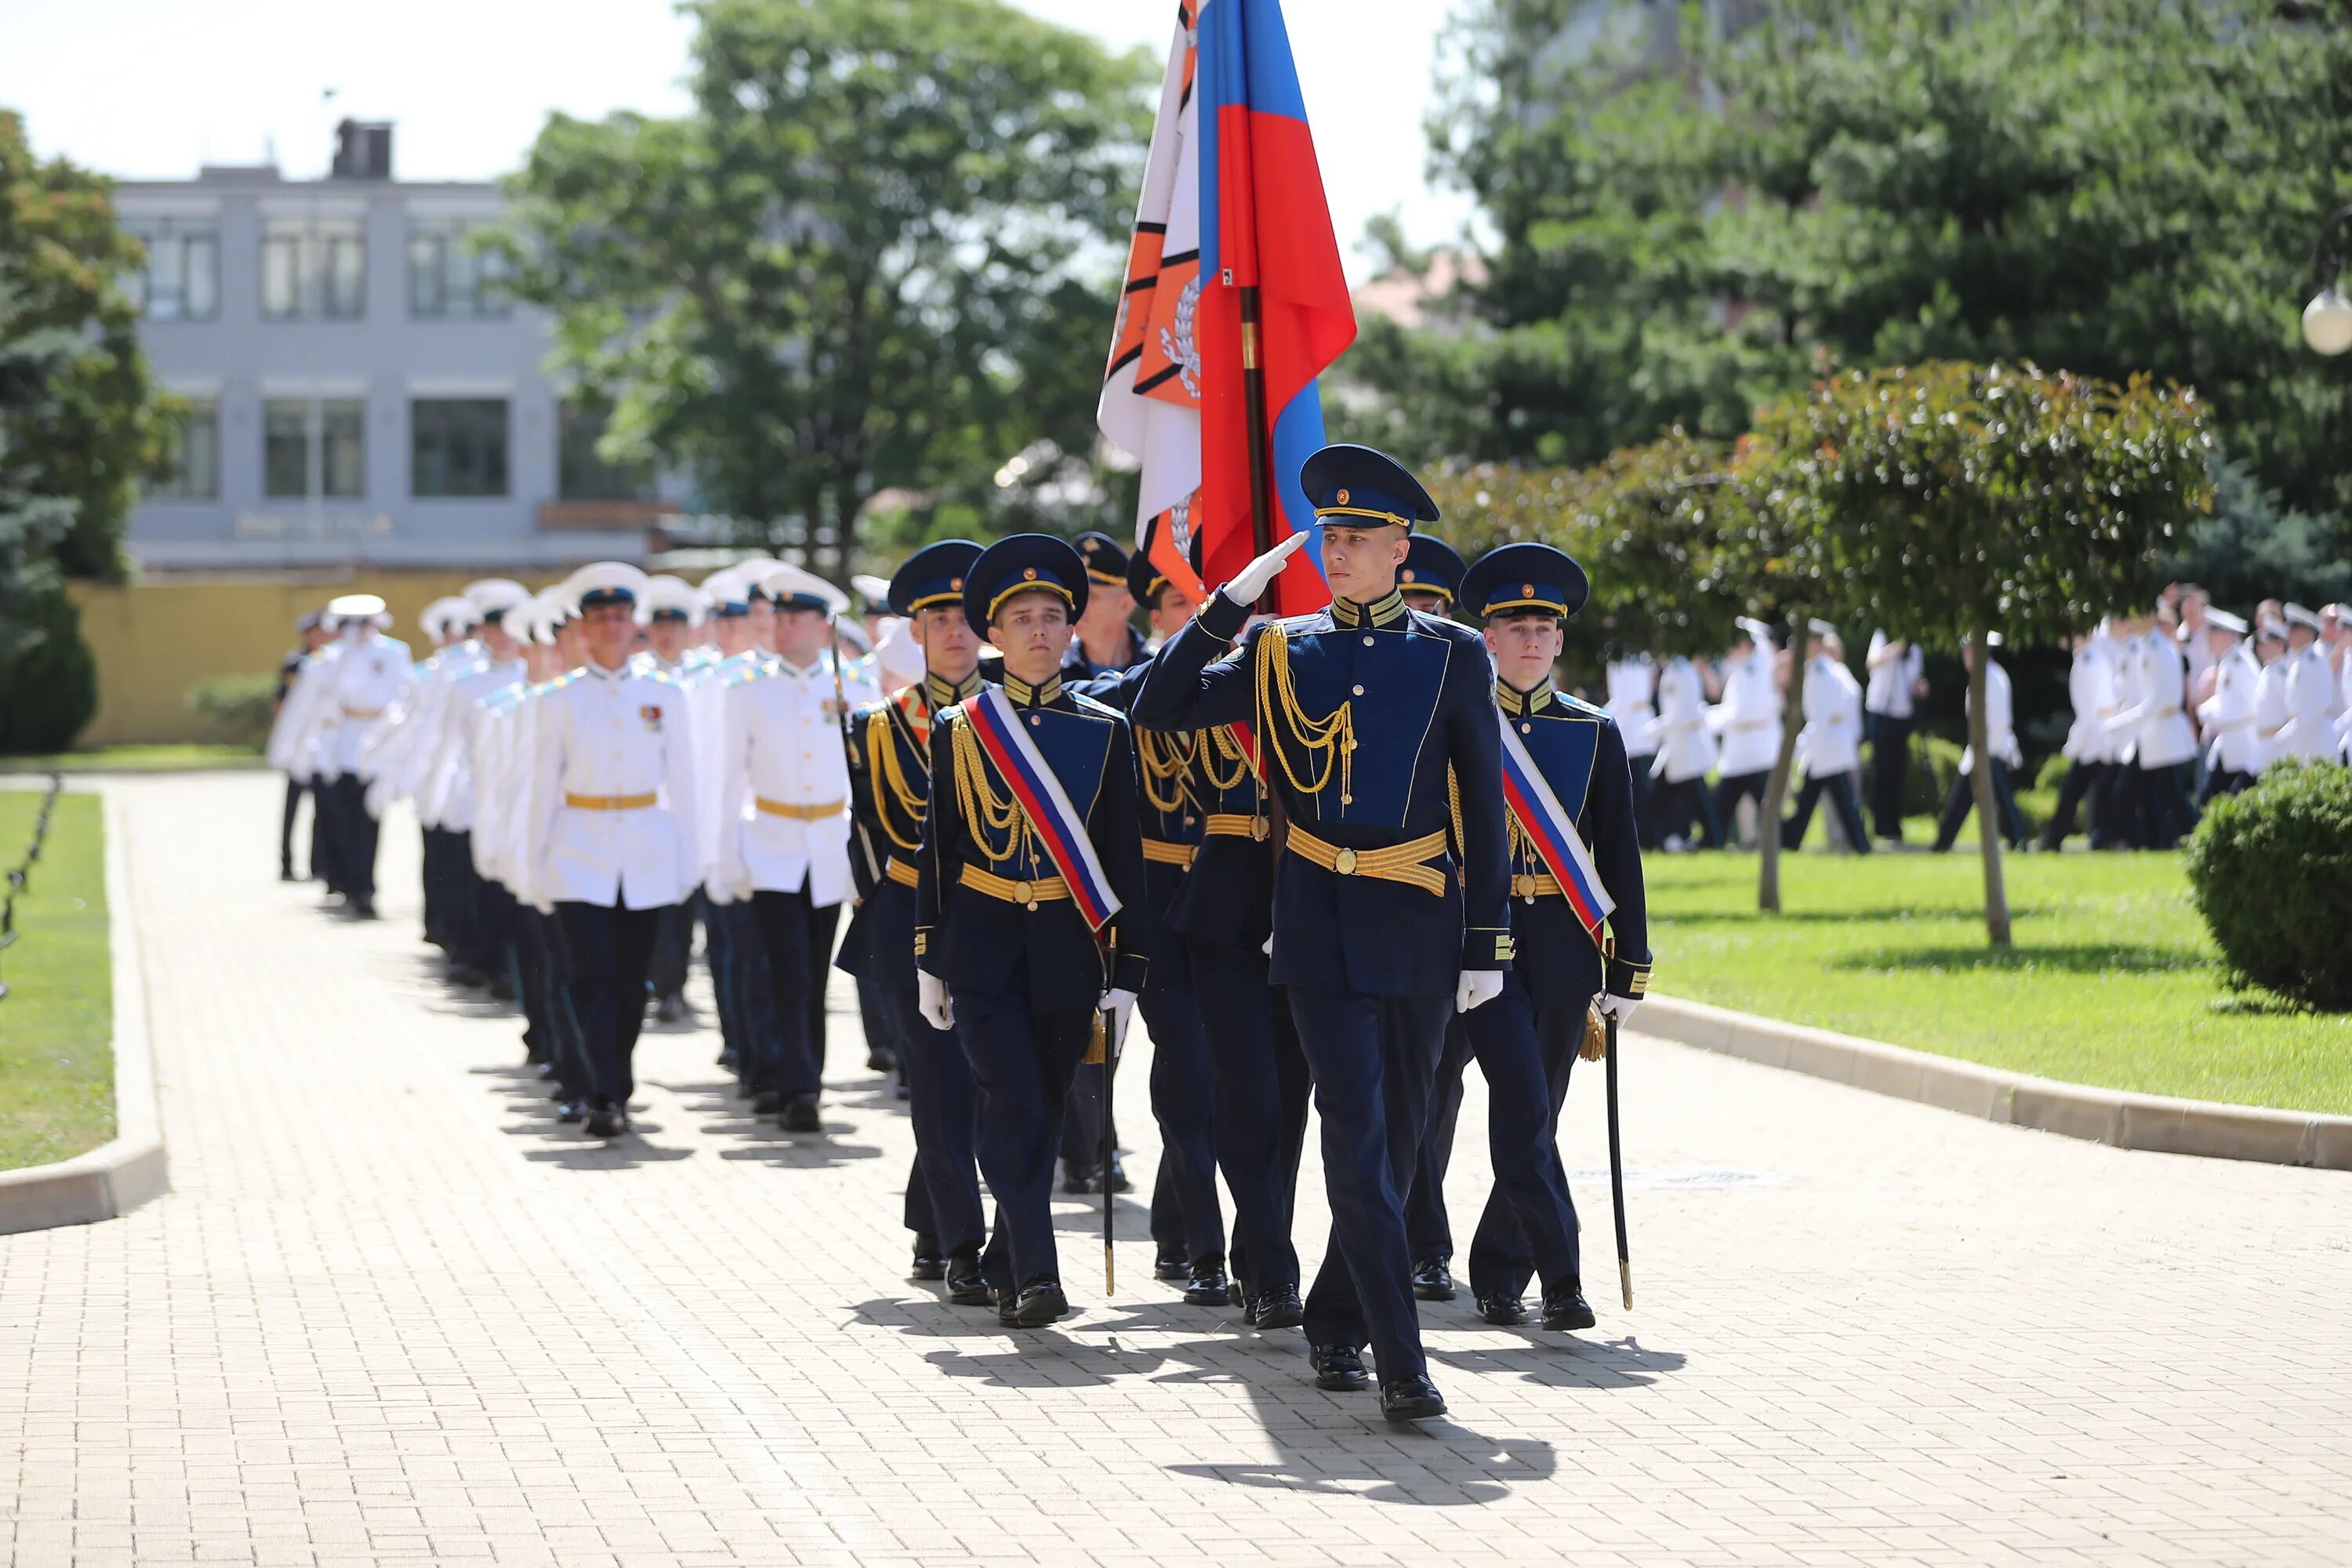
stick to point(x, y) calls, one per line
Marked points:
point(150, 88)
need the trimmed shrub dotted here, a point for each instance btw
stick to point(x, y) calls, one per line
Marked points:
point(2271, 871)
point(236, 709)
point(51, 683)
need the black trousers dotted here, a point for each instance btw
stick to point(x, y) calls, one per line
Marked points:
point(1181, 1097)
point(1839, 787)
point(797, 937)
point(1259, 1090)
point(354, 834)
point(944, 1109)
point(2223, 780)
point(1429, 1230)
point(1890, 768)
point(544, 963)
point(1729, 791)
point(673, 948)
point(1683, 802)
point(1645, 799)
point(1506, 1252)
point(1021, 1064)
point(2165, 807)
point(1372, 1059)
point(609, 949)
point(2085, 784)
point(1962, 799)
point(294, 789)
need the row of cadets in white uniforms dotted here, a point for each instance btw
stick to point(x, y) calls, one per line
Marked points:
point(2309, 697)
point(2152, 682)
point(340, 700)
point(2235, 751)
point(397, 756)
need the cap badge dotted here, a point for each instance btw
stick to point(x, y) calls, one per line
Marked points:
point(1028, 574)
point(956, 583)
point(1343, 498)
point(1407, 575)
point(1527, 590)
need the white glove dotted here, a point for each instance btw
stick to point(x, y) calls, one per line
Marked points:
point(1619, 1007)
point(1268, 948)
point(932, 999)
point(379, 795)
point(718, 888)
point(1249, 583)
point(1477, 987)
point(544, 906)
point(1118, 1004)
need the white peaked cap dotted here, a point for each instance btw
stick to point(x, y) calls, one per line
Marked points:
point(899, 655)
point(604, 577)
point(785, 581)
point(489, 594)
point(667, 592)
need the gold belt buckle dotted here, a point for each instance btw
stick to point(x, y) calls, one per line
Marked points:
point(1524, 886)
point(1260, 827)
point(1025, 893)
point(1345, 863)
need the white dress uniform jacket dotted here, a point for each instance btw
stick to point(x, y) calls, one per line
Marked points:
point(2229, 714)
point(403, 764)
point(2001, 721)
point(451, 791)
point(1748, 717)
point(1831, 741)
point(612, 818)
point(2091, 688)
point(345, 699)
point(2310, 728)
point(1633, 702)
point(783, 781)
point(2164, 736)
point(1685, 746)
point(1893, 680)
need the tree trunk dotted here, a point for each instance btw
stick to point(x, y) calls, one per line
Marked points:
point(1980, 781)
point(1776, 788)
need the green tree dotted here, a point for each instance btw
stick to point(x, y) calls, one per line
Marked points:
point(1963, 498)
point(868, 259)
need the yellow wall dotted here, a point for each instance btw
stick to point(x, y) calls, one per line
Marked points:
point(156, 639)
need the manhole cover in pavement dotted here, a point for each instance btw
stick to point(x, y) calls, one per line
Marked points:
point(1709, 1176)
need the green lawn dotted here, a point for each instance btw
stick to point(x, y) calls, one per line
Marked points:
point(2112, 981)
point(169, 759)
point(57, 1056)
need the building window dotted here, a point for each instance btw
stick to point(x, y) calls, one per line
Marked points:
point(449, 277)
point(195, 456)
point(313, 267)
point(457, 446)
point(580, 474)
point(314, 446)
point(180, 281)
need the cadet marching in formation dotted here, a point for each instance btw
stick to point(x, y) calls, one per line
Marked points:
point(1330, 860)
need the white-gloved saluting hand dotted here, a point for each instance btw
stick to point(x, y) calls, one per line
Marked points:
point(931, 999)
point(1477, 987)
point(1620, 1008)
point(1248, 586)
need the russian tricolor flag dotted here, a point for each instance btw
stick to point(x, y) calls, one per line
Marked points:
point(1265, 224)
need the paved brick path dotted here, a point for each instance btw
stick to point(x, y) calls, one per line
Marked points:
point(391, 1311)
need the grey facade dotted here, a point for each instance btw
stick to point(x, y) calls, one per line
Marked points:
point(359, 394)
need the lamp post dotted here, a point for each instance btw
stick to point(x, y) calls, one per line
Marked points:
point(2327, 319)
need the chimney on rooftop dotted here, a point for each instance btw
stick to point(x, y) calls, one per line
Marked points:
point(362, 150)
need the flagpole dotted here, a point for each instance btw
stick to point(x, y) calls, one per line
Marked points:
point(1261, 455)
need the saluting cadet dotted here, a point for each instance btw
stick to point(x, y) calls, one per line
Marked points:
point(1031, 916)
point(1829, 744)
point(783, 787)
point(1687, 754)
point(612, 827)
point(890, 791)
point(1377, 924)
point(1748, 720)
point(2089, 750)
point(670, 613)
point(289, 668)
point(1187, 1221)
point(2310, 691)
point(334, 715)
point(2000, 744)
point(1575, 862)
point(2226, 718)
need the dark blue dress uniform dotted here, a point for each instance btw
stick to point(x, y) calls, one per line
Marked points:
point(1526, 1040)
point(994, 919)
point(1379, 736)
point(890, 788)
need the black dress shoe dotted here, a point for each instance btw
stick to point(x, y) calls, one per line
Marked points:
point(666, 1009)
point(1237, 1295)
point(880, 1059)
point(363, 908)
point(1170, 1263)
point(1432, 1281)
point(726, 1058)
point(902, 1092)
point(1411, 1399)
point(1209, 1287)
point(607, 1121)
point(571, 1110)
point(1338, 1368)
point(1042, 1302)
point(1502, 1311)
point(967, 1285)
point(929, 1265)
point(1119, 1182)
point(1566, 1308)
point(547, 1069)
point(1008, 1308)
point(502, 990)
point(1077, 1178)
point(472, 979)
point(800, 1115)
point(1277, 1306)
point(767, 1102)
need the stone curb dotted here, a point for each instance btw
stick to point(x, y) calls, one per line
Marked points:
point(2018, 1100)
point(117, 1177)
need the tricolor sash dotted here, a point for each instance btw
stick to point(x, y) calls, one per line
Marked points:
point(1552, 832)
point(1051, 815)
